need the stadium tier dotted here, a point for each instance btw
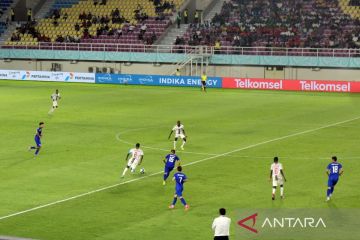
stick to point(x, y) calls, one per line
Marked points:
point(64, 4)
point(89, 21)
point(125, 25)
point(4, 5)
point(293, 24)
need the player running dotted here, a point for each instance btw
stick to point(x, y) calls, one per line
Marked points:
point(180, 178)
point(277, 176)
point(179, 132)
point(38, 139)
point(170, 161)
point(334, 171)
point(136, 158)
point(203, 82)
point(55, 97)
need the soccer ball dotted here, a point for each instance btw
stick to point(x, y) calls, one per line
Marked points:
point(142, 170)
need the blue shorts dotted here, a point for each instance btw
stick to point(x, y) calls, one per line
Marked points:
point(178, 191)
point(332, 182)
point(37, 141)
point(168, 169)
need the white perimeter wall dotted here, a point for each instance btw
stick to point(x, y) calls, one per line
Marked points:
point(219, 71)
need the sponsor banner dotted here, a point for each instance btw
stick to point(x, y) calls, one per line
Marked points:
point(47, 76)
point(80, 77)
point(291, 85)
point(297, 224)
point(157, 80)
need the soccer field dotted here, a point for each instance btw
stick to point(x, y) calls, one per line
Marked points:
point(233, 136)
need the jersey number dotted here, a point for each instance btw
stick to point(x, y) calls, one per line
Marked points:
point(180, 179)
point(171, 159)
point(335, 169)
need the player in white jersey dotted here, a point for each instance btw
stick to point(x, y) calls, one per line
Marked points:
point(179, 133)
point(136, 158)
point(278, 177)
point(55, 97)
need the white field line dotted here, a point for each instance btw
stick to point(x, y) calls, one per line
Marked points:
point(188, 164)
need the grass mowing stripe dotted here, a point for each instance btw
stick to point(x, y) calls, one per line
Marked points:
point(188, 164)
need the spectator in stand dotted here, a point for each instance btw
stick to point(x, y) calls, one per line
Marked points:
point(196, 17)
point(56, 14)
point(55, 22)
point(178, 19)
point(131, 28)
point(77, 27)
point(186, 16)
point(119, 32)
point(217, 46)
point(65, 17)
point(29, 15)
point(160, 16)
point(96, 2)
point(59, 39)
point(143, 28)
point(103, 2)
point(12, 13)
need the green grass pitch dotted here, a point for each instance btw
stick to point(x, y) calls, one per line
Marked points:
point(84, 149)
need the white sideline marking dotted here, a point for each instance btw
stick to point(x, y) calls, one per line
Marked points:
point(188, 164)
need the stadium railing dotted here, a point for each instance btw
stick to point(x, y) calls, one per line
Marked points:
point(186, 49)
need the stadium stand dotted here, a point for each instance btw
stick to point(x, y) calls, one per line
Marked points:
point(97, 21)
point(285, 24)
point(59, 4)
point(3, 27)
point(4, 6)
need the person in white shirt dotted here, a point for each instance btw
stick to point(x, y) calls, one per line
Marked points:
point(221, 226)
point(136, 158)
point(55, 97)
point(179, 133)
point(277, 176)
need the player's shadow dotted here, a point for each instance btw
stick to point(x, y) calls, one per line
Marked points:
point(331, 204)
point(22, 160)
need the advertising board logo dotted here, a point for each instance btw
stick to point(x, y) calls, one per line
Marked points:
point(147, 79)
point(70, 76)
point(124, 79)
point(264, 222)
point(251, 228)
point(57, 76)
point(325, 86)
point(14, 74)
point(26, 75)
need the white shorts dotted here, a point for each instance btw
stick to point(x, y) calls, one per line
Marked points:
point(132, 163)
point(55, 103)
point(182, 136)
point(277, 182)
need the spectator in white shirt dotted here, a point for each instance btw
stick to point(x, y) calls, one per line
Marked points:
point(221, 226)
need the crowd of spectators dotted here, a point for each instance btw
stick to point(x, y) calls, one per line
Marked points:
point(161, 6)
point(275, 23)
point(104, 23)
point(28, 28)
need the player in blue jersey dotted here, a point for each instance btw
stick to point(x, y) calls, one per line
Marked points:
point(334, 171)
point(179, 178)
point(38, 139)
point(170, 162)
